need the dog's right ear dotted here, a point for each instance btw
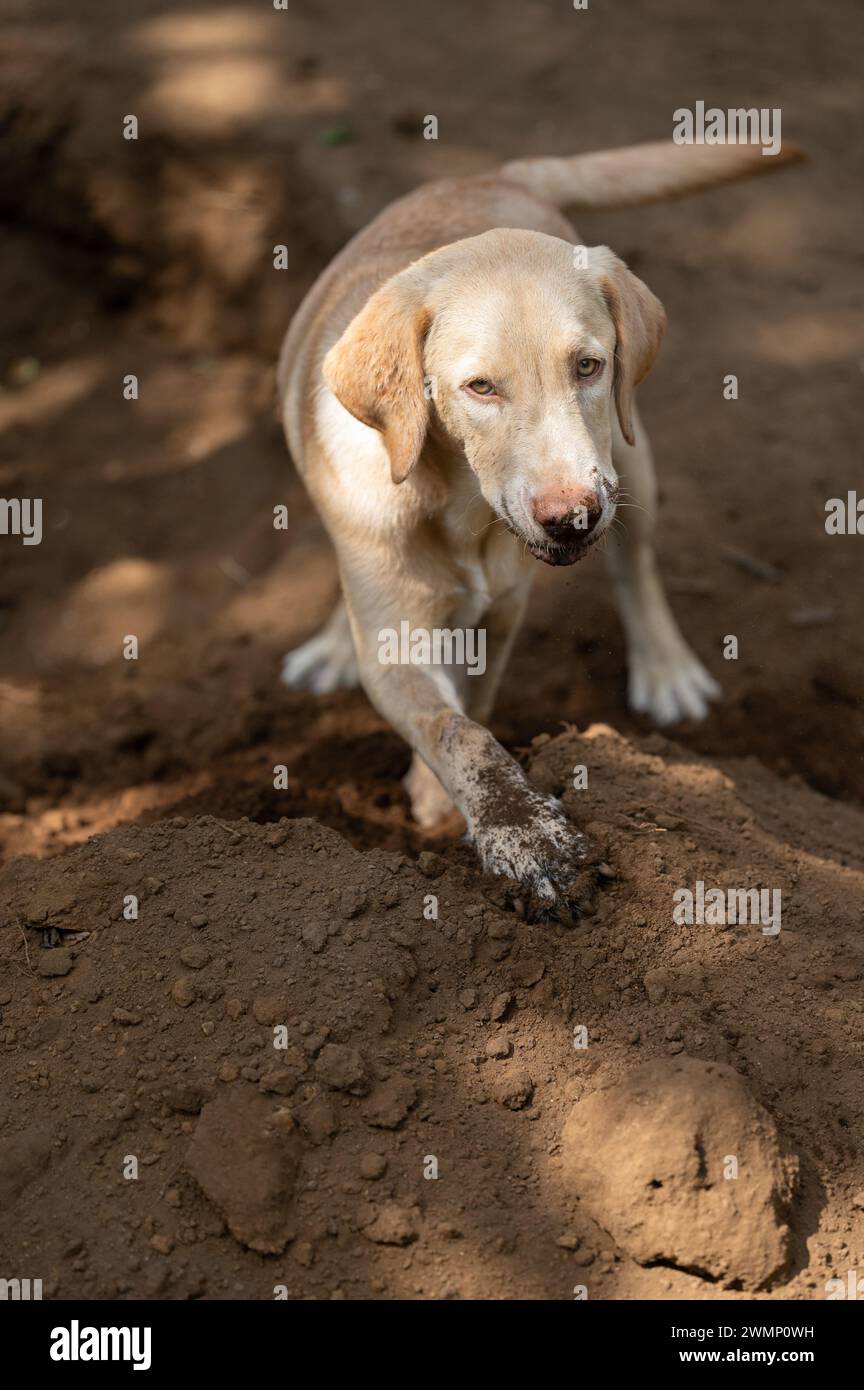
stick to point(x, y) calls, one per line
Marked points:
point(376, 371)
point(640, 322)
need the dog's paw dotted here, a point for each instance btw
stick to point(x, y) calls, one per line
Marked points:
point(670, 686)
point(323, 664)
point(546, 868)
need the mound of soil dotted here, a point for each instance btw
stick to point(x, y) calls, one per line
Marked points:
point(342, 1074)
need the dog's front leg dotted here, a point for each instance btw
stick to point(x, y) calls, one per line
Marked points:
point(430, 804)
point(519, 833)
point(666, 680)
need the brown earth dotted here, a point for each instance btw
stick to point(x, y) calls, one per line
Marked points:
point(409, 1037)
point(154, 257)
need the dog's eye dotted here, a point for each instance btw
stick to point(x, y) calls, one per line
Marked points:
point(481, 387)
point(588, 366)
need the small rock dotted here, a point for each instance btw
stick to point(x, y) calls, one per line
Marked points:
point(52, 964)
point(280, 1081)
point(342, 1069)
point(353, 902)
point(390, 1102)
point(513, 1088)
point(183, 991)
point(373, 1166)
point(268, 1010)
point(498, 1047)
point(126, 1018)
point(500, 1005)
point(528, 972)
point(195, 957)
point(394, 1225)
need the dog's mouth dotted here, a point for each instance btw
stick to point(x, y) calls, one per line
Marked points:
point(552, 553)
point(568, 554)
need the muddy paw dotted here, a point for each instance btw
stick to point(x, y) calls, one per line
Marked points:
point(546, 868)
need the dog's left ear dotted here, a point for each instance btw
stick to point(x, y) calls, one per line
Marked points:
point(640, 322)
point(376, 370)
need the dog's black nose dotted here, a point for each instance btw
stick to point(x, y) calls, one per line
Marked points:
point(568, 516)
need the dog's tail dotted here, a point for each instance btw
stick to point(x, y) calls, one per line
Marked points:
point(645, 173)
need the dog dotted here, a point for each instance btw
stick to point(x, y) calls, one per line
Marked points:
point(457, 392)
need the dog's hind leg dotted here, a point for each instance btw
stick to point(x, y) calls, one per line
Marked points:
point(666, 681)
point(327, 661)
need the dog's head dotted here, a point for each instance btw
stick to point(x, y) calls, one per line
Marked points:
point(514, 349)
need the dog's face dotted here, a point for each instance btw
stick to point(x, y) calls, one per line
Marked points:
point(513, 349)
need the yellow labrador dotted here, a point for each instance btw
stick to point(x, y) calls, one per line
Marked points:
point(457, 391)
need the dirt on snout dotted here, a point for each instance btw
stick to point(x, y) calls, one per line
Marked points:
point(245, 1058)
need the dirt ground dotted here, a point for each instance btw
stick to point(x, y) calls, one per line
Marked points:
point(303, 908)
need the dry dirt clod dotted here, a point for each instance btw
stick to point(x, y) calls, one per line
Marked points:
point(390, 1102)
point(268, 1010)
point(194, 957)
point(54, 963)
point(394, 1225)
point(342, 1069)
point(683, 1167)
point(500, 1006)
point(247, 1163)
point(373, 1166)
point(184, 991)
point(513, 1088)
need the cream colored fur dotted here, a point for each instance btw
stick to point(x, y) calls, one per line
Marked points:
point(431, 493)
